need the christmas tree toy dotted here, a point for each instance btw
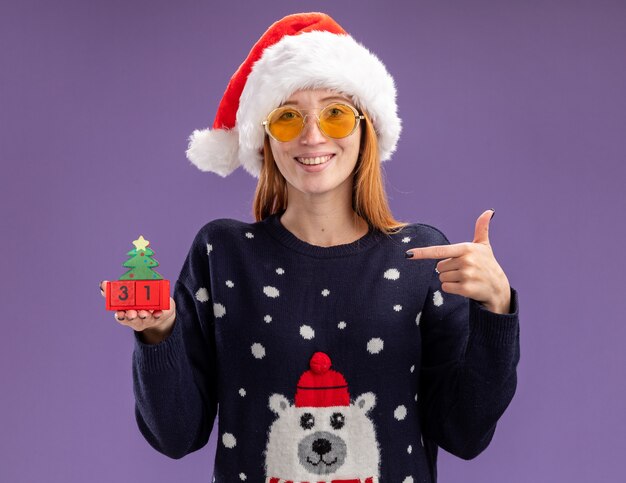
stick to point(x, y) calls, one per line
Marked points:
point(141, 288)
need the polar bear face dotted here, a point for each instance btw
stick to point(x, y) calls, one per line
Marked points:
point(305, 443)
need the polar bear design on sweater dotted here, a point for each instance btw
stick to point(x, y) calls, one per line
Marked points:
point(323, 436)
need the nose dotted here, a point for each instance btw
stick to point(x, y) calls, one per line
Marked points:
point(322, 446)
point(311, 133)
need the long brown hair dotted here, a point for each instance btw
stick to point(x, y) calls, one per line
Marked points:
point(369, 199)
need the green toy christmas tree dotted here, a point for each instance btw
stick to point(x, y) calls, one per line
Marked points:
point(141, 263)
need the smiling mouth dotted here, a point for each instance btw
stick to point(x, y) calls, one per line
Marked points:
point(321, 460)
point(314, 160)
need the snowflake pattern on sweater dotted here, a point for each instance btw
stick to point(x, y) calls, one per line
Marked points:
point(254, 303)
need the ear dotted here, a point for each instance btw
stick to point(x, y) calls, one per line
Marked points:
point(278, 403)
point(365, 402)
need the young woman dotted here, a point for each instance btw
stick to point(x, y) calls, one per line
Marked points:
point(333, 342)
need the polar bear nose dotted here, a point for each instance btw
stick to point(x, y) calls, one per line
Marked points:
point(322, 446)
point(322, 453)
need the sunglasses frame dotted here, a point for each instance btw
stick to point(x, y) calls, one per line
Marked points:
point(357, 116)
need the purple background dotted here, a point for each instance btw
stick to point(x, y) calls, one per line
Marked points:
point(519, 106)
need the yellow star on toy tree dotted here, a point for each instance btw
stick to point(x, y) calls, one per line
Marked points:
point(141, 243)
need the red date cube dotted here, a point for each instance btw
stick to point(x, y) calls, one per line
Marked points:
point(148, 293)
point(123, 293)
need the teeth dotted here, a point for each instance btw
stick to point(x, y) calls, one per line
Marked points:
point(316, 160)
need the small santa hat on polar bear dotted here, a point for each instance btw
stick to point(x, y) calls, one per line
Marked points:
point(320, 386)
point(300, 51)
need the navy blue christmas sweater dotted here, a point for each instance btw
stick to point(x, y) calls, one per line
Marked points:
point(323, 364)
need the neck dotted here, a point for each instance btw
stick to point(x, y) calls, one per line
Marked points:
point(323, 220)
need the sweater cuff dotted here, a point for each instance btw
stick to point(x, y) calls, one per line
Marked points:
point(161, 357)
point(494, 329)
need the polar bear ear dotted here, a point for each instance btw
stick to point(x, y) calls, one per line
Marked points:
point(279, 403)
point(365, 402)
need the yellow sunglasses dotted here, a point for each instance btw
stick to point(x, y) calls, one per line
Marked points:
point(335, 121)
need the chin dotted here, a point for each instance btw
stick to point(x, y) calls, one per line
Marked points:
point(321, 188)
point(320, 185)
point(314, 191)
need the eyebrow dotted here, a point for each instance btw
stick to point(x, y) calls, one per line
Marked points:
point(329, 98)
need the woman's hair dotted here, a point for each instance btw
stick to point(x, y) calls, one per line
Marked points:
point(369, 200)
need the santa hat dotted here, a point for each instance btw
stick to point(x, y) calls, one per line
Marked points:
point(300, 51)
point(320, 386)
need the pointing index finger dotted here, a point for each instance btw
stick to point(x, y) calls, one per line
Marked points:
point(436, 252)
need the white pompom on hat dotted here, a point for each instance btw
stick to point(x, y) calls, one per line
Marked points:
point(300, 51)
